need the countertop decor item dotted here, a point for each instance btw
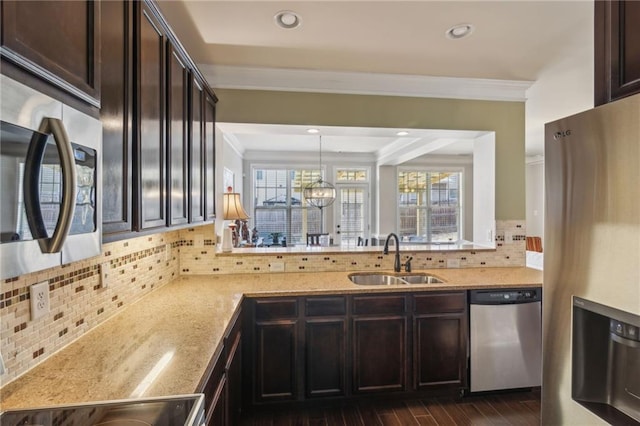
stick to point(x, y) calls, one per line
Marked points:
point(232, 210)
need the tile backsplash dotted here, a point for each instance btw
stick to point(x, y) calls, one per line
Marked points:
point(79, 301)
point(198, 256)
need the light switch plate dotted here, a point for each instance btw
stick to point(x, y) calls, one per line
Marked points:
point(39, 296)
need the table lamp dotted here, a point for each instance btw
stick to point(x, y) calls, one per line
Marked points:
point(232, 210)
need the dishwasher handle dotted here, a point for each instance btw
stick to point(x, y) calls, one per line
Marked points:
point(505, 296)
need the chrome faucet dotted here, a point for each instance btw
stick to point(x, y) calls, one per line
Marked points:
point(396, 262)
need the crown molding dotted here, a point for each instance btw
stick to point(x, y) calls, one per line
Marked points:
point(300, 80)
point(233, 143)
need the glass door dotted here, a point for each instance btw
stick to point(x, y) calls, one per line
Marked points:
point(352, 212)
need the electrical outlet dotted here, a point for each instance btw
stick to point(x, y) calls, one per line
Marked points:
point(39, 294)
point(167, 252)
point(453, 263)
point(105, 273)
point(276, 267)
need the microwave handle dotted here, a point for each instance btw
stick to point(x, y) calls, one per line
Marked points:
point(54, 244)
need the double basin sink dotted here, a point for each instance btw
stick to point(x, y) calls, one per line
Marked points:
point(365, 278)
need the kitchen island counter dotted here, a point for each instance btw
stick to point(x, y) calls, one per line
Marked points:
point(162, 344)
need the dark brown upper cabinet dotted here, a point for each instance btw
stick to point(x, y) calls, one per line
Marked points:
point(151, 167)
point(617, 50)
point(158, 119)
point(210, 155)
point(197, 171)
point(57, 41)
point(177, 137)
point(116, 115)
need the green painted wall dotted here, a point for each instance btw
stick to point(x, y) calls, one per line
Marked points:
point(326, 109)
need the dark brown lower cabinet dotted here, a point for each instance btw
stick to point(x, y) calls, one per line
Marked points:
point(233, 370)
point(440, 340)
point(275, 358)
point(336, 346)
point(213, 385)
point(379, 354)
point(325, 356)
point(222, 382)
point(217, 414)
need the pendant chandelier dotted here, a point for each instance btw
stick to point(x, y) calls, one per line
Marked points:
point(320, 193)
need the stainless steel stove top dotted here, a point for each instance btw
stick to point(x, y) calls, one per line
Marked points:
point(164, 411)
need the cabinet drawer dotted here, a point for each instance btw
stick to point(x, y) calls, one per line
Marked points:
point(440, 302)
point(325, 306)
point(276, 309)
point(372, 305)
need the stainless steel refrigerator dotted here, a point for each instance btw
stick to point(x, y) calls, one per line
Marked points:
point(591, 250)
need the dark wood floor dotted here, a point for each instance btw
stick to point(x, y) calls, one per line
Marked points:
point(518, 408)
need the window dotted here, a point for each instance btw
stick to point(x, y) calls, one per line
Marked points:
point(279, 208)
point(429, 206)
point(352, 175)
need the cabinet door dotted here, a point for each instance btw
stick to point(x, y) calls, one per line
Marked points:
point(325, 356)
point(440, 351)
point(276, 360)
point(117, 139)
point(196, 154)
point(151, 130)
point(177, 138)
point(379, 354)
point(276, 345)
point(59, 41)
point(617, 50)
point(210, 156)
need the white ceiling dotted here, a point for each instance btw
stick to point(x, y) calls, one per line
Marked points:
point(343, 43)
point(382, 143)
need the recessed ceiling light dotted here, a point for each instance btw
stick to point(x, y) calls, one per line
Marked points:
point(459, 31)
point(402, 133)
point(287, 19)
point(313, 130)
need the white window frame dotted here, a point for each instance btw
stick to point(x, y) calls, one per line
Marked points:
point(434, 169)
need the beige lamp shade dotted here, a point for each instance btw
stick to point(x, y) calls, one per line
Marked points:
point(232, 207)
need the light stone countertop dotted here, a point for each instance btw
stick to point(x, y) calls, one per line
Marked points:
point(182, 324)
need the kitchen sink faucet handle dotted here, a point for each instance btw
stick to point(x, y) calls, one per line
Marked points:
point(407, 264)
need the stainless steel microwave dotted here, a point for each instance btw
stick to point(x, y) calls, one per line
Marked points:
point(50, 164)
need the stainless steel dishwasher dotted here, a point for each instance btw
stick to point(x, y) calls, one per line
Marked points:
point(505, 333)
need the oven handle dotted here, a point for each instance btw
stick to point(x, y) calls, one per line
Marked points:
point(54, 244)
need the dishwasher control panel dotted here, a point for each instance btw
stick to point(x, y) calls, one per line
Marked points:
point(499, 297)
